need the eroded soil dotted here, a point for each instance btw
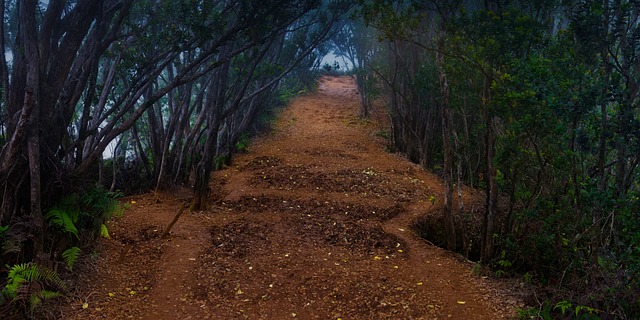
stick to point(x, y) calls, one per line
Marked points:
point(314, 222)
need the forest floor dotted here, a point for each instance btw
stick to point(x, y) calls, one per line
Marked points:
point(313, 222)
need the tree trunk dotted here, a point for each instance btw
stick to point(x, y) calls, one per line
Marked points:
point(446, 143)
point(4, 69)
point(491, 204)
point(215, 104)
point(32, 98)
point(365, 101)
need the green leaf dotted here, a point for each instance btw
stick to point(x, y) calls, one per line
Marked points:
point(48, 294)
point(70, 256)
point(104, 232)
point(60, 218)
point(563, 306)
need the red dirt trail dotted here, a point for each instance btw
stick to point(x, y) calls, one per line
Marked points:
point(313, 222)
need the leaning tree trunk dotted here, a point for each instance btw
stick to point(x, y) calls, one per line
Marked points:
point(204, 168)
point(215, 104)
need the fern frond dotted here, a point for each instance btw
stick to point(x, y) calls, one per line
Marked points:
point(47, 294)
point(61, 219)
point(28, 284)
point(15, 279)
point(102, 203)
point(70, 256)
point(51, 278)
point(18, 275)
point(71, 205)
point(104, 232)
point(17, 269)
point(34, 301)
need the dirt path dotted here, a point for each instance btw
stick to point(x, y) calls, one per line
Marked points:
point(312, 223)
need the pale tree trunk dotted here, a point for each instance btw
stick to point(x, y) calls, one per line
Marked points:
point(4, 70)
point(464, 230)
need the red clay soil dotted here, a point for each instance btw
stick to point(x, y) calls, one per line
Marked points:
point(314, 222)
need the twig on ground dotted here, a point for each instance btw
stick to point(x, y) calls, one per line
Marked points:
point(166, 231)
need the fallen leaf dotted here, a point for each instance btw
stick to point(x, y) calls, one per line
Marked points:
point(110, 294)
point(85, 305)
point(132, 292)
point(400, 250)
point(376, 258)
point(239, 292)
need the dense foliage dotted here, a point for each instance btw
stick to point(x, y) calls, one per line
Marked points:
point(543, 105)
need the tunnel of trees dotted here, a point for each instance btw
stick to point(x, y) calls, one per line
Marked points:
point(533, 102)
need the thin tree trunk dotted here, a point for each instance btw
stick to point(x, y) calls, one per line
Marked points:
point(365, 103)
point(4, 70)
point(114, 166)
point(488, 225)
point(446, 143)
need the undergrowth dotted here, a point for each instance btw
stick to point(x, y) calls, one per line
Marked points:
point(74, 222)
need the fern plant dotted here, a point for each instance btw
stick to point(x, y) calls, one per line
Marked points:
point(80, 218)
point(29, 284)
point(64, 219)
point(70, 256)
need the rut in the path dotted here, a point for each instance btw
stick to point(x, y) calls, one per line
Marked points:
point(313, 223)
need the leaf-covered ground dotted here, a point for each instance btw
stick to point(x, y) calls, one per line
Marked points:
point(314, 222)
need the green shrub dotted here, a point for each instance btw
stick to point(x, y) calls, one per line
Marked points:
point(29, 284)
point(78, 219)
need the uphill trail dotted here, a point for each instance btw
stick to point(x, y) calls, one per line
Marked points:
point(313, 222)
